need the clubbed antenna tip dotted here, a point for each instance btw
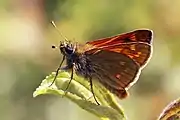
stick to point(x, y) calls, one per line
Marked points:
point(53, 46)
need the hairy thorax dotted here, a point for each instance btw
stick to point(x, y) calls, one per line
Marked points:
point(83, 66)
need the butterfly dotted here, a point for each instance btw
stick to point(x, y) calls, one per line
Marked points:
point(115, 62)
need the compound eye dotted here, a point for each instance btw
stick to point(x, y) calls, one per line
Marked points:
point(69, 50)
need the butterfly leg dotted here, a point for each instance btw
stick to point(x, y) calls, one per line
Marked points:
point(72, 73)
point(57, 71)
point(91, 84)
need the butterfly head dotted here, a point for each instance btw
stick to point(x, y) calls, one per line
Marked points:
point(66, 48)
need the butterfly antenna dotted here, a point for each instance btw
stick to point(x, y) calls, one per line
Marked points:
point(54, 47)
point(54, 25)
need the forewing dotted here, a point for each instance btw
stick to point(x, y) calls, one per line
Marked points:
point(134, 36)
point(115, 71)
point(139, 52)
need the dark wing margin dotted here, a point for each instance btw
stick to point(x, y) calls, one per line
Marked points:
point(115, 71)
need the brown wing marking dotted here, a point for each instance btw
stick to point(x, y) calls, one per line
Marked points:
point(139, 52)
point(115, 71)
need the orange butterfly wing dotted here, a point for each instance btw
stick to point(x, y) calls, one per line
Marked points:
point(135, 44)
point(134, 36)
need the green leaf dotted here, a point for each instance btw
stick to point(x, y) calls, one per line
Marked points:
point(172, 111)
point(79, 92)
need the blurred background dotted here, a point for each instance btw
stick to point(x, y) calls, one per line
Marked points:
point(26, 57)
